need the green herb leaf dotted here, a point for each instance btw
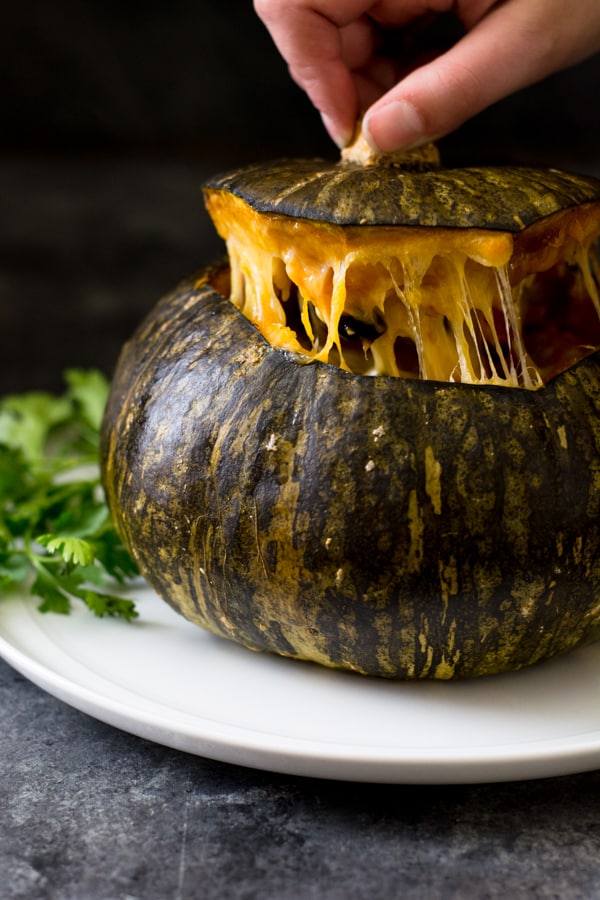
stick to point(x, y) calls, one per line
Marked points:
point(89, 390)
point(72, 549)
point(108, 605)
point(54, 599)
point(57, 540)
point(26, 421)
point(13, 570)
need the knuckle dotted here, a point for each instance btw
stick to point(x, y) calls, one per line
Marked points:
point(272, 10)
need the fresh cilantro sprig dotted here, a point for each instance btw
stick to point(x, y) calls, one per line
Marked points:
point(57, 539)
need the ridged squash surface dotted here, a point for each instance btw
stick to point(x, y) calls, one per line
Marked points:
point(395, 527)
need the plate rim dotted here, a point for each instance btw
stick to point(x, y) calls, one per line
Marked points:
point(242, 745)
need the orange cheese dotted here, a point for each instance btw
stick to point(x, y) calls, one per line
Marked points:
point(433, 303)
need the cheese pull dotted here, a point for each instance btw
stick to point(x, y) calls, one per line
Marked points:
point(474, 306)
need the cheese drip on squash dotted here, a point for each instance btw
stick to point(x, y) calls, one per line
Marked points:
point(456, 305)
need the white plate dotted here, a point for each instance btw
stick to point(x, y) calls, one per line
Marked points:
point(166, 680)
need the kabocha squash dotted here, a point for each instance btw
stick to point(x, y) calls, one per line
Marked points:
point(475, 275)
point(402, 525)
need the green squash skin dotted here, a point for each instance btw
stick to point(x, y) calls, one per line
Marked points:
point(395, 527)
point(347, 194)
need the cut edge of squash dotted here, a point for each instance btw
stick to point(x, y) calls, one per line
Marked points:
point(473, 306)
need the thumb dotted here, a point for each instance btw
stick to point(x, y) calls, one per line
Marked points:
point(508, 49)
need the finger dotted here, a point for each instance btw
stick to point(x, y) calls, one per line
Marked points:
point(374, 80)
point(372, 74)
point(371, 84)
point(313, 47)
point(358, 43)
point(394, 14)
point(508, 49)
point(332, 90)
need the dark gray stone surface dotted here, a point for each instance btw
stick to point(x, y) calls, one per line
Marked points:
point(91, 813)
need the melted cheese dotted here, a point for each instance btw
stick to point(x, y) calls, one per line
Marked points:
point(442, 304)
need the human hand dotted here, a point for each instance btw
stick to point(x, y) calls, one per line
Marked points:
point(335, 50)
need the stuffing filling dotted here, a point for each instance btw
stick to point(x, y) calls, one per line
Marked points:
point(455, 305)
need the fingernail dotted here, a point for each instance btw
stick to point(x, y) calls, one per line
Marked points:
point(341, 138)
point(395, 126)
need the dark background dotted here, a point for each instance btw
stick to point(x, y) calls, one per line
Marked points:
point(114, 113)
point(204, 81)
